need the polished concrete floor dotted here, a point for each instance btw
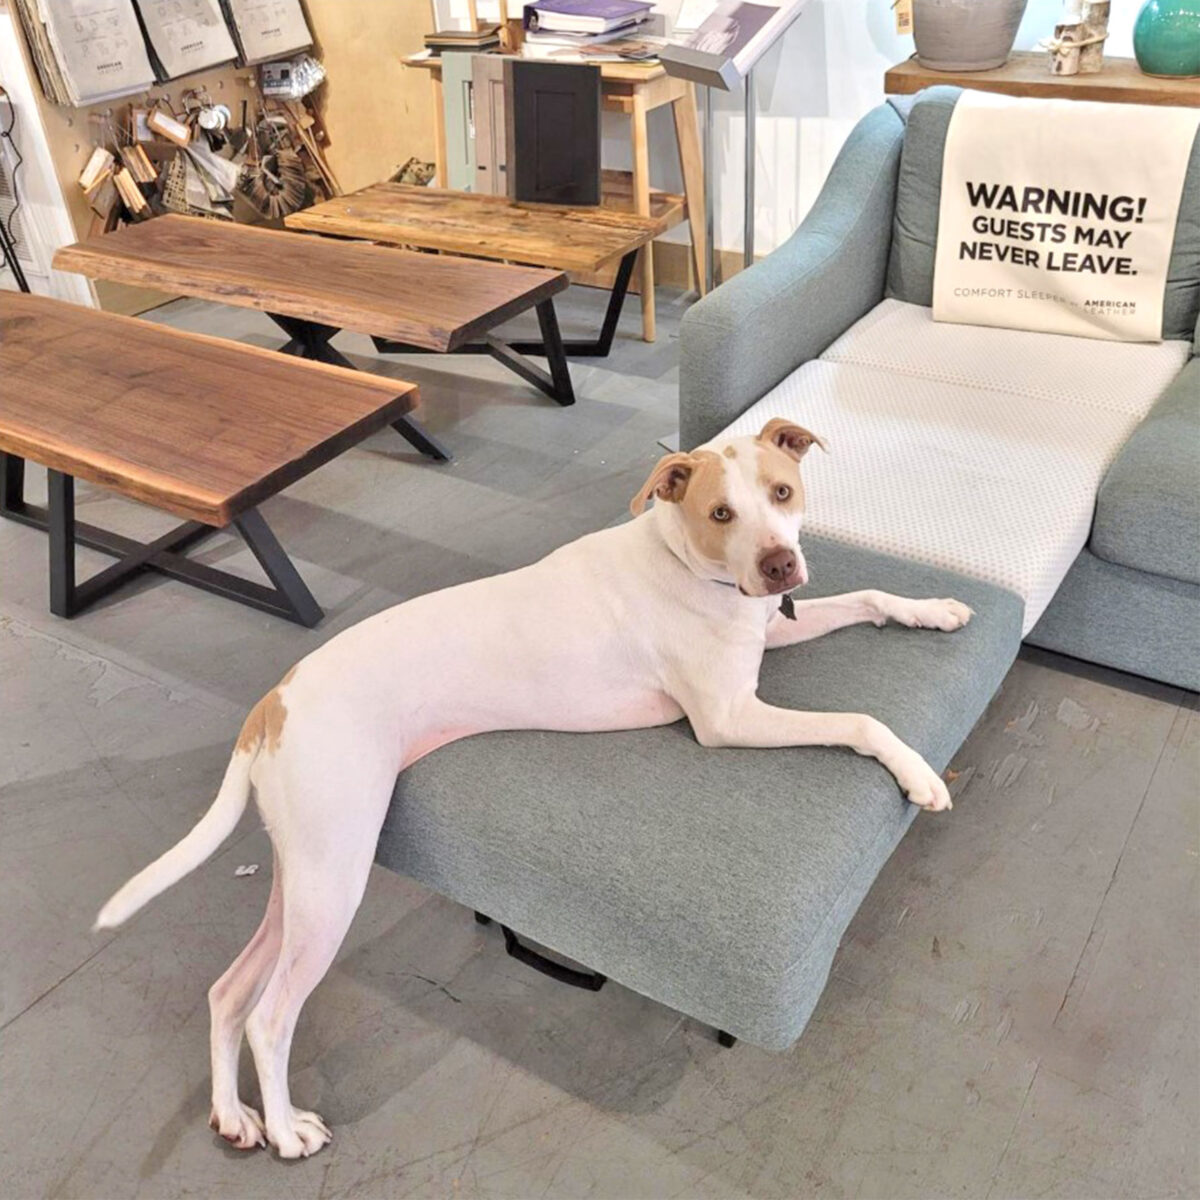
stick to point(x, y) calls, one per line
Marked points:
point(1013, 1012)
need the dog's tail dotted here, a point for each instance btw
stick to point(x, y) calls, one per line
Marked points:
point(209, 832)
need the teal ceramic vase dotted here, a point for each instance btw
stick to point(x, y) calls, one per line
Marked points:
point(1166, 37)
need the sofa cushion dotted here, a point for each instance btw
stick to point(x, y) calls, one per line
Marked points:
point(1148, 508)
point(1131, 620)
point(714, 881)
point(976, 449)
point(918, 196)
point(1122, 377)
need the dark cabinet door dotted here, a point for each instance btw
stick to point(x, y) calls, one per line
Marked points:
point(554, 132)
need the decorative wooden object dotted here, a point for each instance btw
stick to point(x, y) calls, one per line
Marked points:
point(633, 90)
point(549, 235)
point(196, 426)
point(1065, 47)
point(1095, 24)
point(1077, 47)
point(1119, 81)
point(435, 302)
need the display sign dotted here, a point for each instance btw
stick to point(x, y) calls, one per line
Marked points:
point(1059, 215)
point(728, 40)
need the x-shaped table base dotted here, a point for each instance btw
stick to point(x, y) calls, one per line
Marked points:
point(288, 598)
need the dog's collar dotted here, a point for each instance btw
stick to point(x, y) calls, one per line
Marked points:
point(787, 605)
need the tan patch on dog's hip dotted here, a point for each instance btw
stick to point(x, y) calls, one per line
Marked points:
point(264, 724)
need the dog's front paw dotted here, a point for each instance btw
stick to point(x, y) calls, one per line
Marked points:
point(241, 1127)
point(924, 787)
point(946, 615)
point(306, 1135)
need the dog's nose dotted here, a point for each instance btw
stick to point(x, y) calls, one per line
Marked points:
point(778, 565)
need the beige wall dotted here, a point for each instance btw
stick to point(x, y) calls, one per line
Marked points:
point(377, 111)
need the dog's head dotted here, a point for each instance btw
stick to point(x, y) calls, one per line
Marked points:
point(737, 505)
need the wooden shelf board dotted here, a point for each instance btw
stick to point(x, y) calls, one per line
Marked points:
point(1027, 73)
point(616, 191)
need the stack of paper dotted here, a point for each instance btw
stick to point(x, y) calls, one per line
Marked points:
point(86, 51)
point(267, 29)
point(185, 36)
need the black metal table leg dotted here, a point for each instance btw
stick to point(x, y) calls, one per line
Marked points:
point(556, 358)
point(274, 561)
point(421, 439)
point(61, 528)
point(599, 347)
point(616, 302)
point(310, 340)
point(288, 598)
point(12, 482)
point(554, 385)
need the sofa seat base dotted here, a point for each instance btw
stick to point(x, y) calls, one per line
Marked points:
point(1124, 618)
point(977, 450)
point(717, 882)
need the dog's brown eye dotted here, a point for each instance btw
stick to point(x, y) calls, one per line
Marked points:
point(783, 492)
point(721, 514)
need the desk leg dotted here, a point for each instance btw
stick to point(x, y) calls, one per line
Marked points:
point(691, 162)
point(557, 384)
point(641, 205)
point(294, 598)
point(12, 483)
point(439, 131)
point(310, 340)
point(61, 528)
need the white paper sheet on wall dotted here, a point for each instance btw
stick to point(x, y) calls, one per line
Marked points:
point(269, 29)
point(99, 48)
point(187, 35)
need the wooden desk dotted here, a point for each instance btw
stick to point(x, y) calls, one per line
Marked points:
point(1027, 73)
point(314, 287)
point(632, 89)
point(198, 427)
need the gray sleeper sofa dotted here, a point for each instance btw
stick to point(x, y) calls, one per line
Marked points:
point(719, 882)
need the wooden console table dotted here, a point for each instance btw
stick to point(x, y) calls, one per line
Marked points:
point(632, 89)
point(1027, 73)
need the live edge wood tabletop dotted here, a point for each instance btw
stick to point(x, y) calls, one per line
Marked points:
point(549, 235)
point(1027, 73)
point(193, 425)
point(425, 300)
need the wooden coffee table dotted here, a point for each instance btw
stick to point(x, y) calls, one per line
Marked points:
point(198, 427)
point(313, 288)
point(494, 227)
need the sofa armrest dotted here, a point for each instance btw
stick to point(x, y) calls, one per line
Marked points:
point(751, 332)
point(1148, 507)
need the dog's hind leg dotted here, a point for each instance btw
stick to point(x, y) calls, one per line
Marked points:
point(230, 1001)
point(324, 867)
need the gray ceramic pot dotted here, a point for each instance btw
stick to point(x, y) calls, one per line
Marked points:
point(965, 35)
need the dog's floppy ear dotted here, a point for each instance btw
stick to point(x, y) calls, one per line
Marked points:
point(793, 440)
point(668, 481)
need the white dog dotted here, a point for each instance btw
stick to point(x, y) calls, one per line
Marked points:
point(664, 617)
